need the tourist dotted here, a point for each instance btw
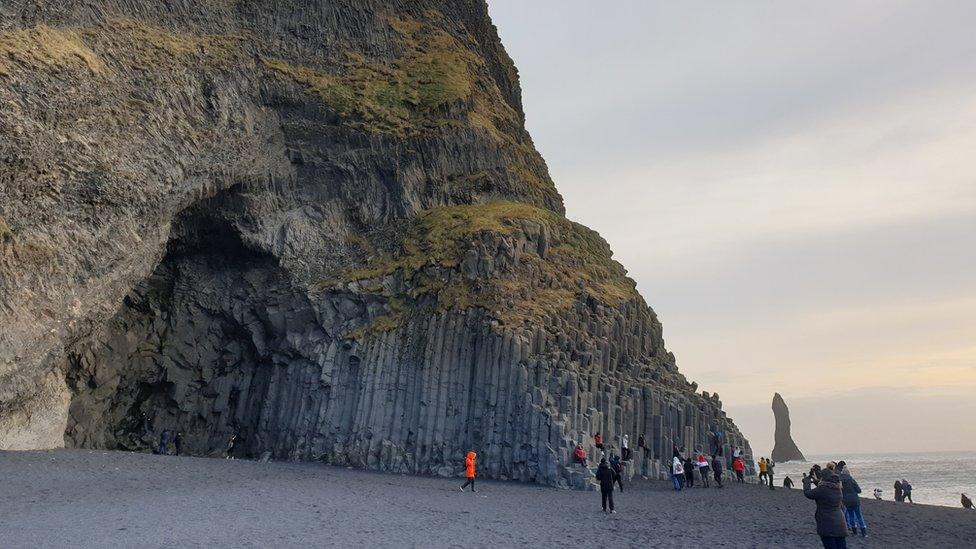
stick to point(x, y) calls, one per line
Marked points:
point(815, 474)
point(769, 473)
point(736, 453)
point(762, 470)
point(598, 440)
point(642, 445)
point(606, 477)
point(163, 443)
point(717, 470)
point(877, 493)
point(689, 468)
point(740, 470)
point(625, 449)
point(852, 502)
point(469, 470)
point(831, 526)
point(898, 491)
point(178, 443)
point(579, 455)
point(966, 502)
point(617, 470)
point(703, 468)
point(906, 491)
point(787, 482)
point(677, 474)
point(230, 446)
point(146, 424)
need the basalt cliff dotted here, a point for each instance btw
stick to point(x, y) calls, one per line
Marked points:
point(319, 226)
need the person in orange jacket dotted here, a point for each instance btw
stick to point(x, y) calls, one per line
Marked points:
point(469, 471)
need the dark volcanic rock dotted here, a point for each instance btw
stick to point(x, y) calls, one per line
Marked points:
point(318, 226)
point(784, 449)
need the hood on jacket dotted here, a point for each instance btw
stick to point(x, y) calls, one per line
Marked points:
point(471, 454)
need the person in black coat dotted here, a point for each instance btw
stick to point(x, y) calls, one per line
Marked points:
point(606, 477)
point(178, 443)
point(831, 525)
point(717, 470)
point(689, 473)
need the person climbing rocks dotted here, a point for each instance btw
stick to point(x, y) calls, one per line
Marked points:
point(852, 502)
point(677, 474)
point(178, 443)
point(906, 491)
point(163, 443)
point(469, 470)
point(579, 455)
point(769, 473)
point(617, 469)
point(717, 470)
point(598, 440)
point(831, 524)
point(704, 469)
point(899, 494)
point(625, 449)
point(739, 467)
point(606, 477)
point(689, 468)
point(966, 502)
point(787, 482)
point(762, 470)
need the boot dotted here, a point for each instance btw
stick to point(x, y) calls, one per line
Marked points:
point(854, 530)
point(864, 532)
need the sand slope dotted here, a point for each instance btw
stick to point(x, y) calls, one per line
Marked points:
point(83, 498)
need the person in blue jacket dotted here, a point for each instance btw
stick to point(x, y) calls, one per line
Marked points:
point(852, 502)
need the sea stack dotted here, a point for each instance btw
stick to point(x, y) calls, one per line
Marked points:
point(320, 228)
point(784, 449)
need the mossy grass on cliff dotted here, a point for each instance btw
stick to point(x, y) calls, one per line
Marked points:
point(580, 264)
point(43, 48)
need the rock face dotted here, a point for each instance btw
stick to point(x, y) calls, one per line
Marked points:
point(320, 226)
point(784, 449)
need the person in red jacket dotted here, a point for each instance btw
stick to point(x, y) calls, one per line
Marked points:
point(579, 455)
point(740, 469)
point(469, 471)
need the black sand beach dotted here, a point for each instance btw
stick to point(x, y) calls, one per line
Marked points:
point(110, 499)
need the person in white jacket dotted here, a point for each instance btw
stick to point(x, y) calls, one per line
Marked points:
point(678, 474)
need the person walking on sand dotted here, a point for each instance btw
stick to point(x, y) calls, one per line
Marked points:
point(579, 455)
point(966, 502)
point(617, 470)
point(762, 470)
point(906, 491)
point(852, 502)
point(689, 468)
point(769, 473)
point(606, 477)
point(740, 470)
point(703, 468)
point(469, 470)
point(787, 482)
point(717, 470)
point(598, 440)
point(677, 474)
point(831, 525)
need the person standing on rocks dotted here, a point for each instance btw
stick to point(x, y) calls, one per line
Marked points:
point(625, 449)
point(677, 474)
point(831, 525)
point(642, 445)
point(469, 471)
point(852, 502)
point(740, 470)
point(717, 470)
point(606, 477)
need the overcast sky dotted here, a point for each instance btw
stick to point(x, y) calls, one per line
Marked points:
point(793, 187)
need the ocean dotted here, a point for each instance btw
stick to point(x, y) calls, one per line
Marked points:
point(936, 478)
